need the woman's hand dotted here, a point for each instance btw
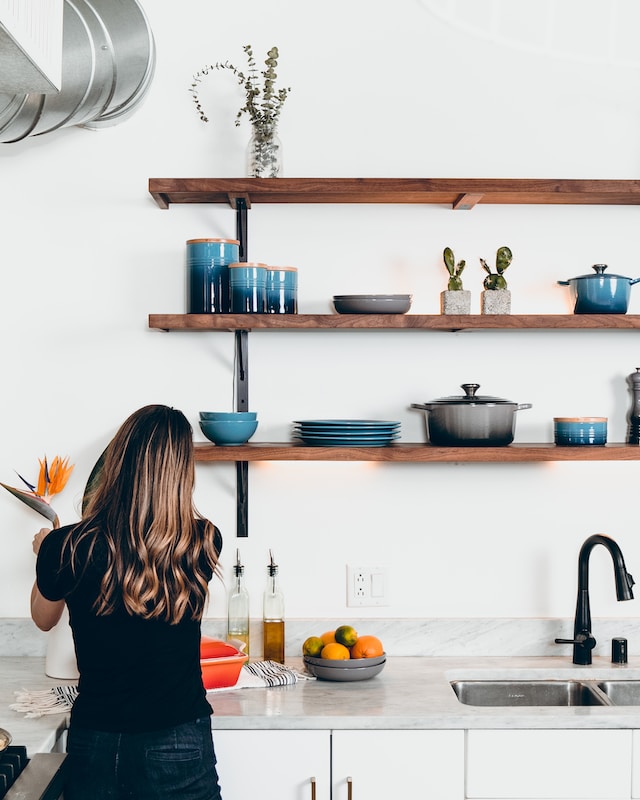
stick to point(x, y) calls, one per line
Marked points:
point(37, 539)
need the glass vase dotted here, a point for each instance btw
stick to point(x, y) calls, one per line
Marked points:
point(264, 153)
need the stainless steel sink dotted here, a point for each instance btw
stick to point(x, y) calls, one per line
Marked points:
point(531, 693)
point(622, 693)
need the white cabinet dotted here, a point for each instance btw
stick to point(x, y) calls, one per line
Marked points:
point(404, 765)
point(324, 765)
point(635, 768)
point(273, 765)
point(549, 764)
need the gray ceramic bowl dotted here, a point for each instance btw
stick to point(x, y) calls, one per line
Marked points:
point(358, 669)
point(348, 663)
point(372, 303)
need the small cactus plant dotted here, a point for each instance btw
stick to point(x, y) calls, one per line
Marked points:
point(454, 270)
point(496, 280)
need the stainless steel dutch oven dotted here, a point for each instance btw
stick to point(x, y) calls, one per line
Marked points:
point(598, 293)
point(471, 420)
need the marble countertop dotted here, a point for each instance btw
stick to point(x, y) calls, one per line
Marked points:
point(410, 693)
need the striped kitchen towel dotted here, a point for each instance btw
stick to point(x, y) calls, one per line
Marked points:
point(261, 674)
point(59, 699)
point(56, 700)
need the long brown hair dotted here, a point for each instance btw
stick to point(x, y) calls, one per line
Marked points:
point(141, 506)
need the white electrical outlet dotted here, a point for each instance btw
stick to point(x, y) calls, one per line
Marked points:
point(367, 586)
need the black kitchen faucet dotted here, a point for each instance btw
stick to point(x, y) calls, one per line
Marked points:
point(583, 640)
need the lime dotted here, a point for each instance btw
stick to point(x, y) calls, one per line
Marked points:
point(312, 646)
point(346, 635)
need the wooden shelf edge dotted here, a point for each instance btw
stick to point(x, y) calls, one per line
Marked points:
point(457, 193)
point(433, 322)
point(415, 452)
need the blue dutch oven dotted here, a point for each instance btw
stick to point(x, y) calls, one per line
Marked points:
point(598, 293)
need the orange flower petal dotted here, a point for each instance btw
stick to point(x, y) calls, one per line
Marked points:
point(43, 478)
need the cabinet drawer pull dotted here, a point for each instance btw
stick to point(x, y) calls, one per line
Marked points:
point(349, 788)
point(313, 788)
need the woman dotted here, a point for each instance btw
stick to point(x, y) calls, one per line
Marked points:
point(134, 573)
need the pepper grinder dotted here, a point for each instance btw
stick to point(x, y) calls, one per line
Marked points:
point(634, 416)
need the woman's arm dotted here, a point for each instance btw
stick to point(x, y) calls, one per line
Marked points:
point(45, 613)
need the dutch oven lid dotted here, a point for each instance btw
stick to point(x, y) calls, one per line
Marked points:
point(470, 397)
point(599, 274)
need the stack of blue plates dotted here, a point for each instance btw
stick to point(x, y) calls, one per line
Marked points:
point(346, 432)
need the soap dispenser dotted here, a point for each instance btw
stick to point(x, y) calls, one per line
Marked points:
point(273, 615)
point(238, 607)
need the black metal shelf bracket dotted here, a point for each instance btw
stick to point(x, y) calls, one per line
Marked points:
point(241, 393)
point(241, 382)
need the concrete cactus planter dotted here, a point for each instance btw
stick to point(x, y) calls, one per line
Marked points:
point(496, 301)
point(458, 302)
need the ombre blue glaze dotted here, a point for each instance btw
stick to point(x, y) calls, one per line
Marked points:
point(600, 293)
point(208, 274)
point(570, 431)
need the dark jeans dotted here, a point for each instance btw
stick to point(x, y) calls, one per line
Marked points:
point(173, 763)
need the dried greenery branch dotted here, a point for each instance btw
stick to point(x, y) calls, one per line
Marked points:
point(263, 103)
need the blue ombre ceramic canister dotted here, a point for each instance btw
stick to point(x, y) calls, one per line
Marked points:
point(208, 262)
point(571, 431)
point(248, 282)
point(282, 290)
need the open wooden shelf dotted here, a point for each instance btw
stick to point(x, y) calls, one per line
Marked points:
point(415, 452)
point(458, 193)
point(434, 322)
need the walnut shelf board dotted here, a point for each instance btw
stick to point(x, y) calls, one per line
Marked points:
point(458, 193)
point(434, 322)
point(415, 452)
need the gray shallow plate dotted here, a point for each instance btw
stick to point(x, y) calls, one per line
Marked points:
point(350, 663)
point(372, 303)
point(338, 673)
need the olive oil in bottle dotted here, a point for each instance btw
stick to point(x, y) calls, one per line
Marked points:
point(238, 607)
point(273, 615)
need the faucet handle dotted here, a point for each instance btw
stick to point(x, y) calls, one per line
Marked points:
point(584, 639)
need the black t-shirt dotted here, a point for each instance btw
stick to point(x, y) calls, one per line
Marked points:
point(135, 675)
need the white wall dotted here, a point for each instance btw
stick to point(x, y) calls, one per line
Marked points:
point(397, 89)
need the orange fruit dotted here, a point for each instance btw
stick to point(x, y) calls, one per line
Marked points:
point(346, 635)
point(367, 647)
point(312, 646)
point(329, 637)
point(335, 651)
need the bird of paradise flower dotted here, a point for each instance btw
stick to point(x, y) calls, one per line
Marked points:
point(52, 479)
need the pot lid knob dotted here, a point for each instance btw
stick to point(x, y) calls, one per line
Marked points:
point(470, 389)
point(600, 268)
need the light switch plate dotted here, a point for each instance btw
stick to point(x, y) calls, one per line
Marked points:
point(367, 586)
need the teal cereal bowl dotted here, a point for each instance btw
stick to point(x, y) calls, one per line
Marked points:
point(228, 431)
point(237, 415)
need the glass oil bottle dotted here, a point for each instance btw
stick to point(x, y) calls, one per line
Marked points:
point(238, 607)
point(273, 615)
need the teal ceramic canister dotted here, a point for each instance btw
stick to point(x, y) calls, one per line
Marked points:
point(208, 262)
point(248, 282)
point(282, 290)
point(571, 431)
